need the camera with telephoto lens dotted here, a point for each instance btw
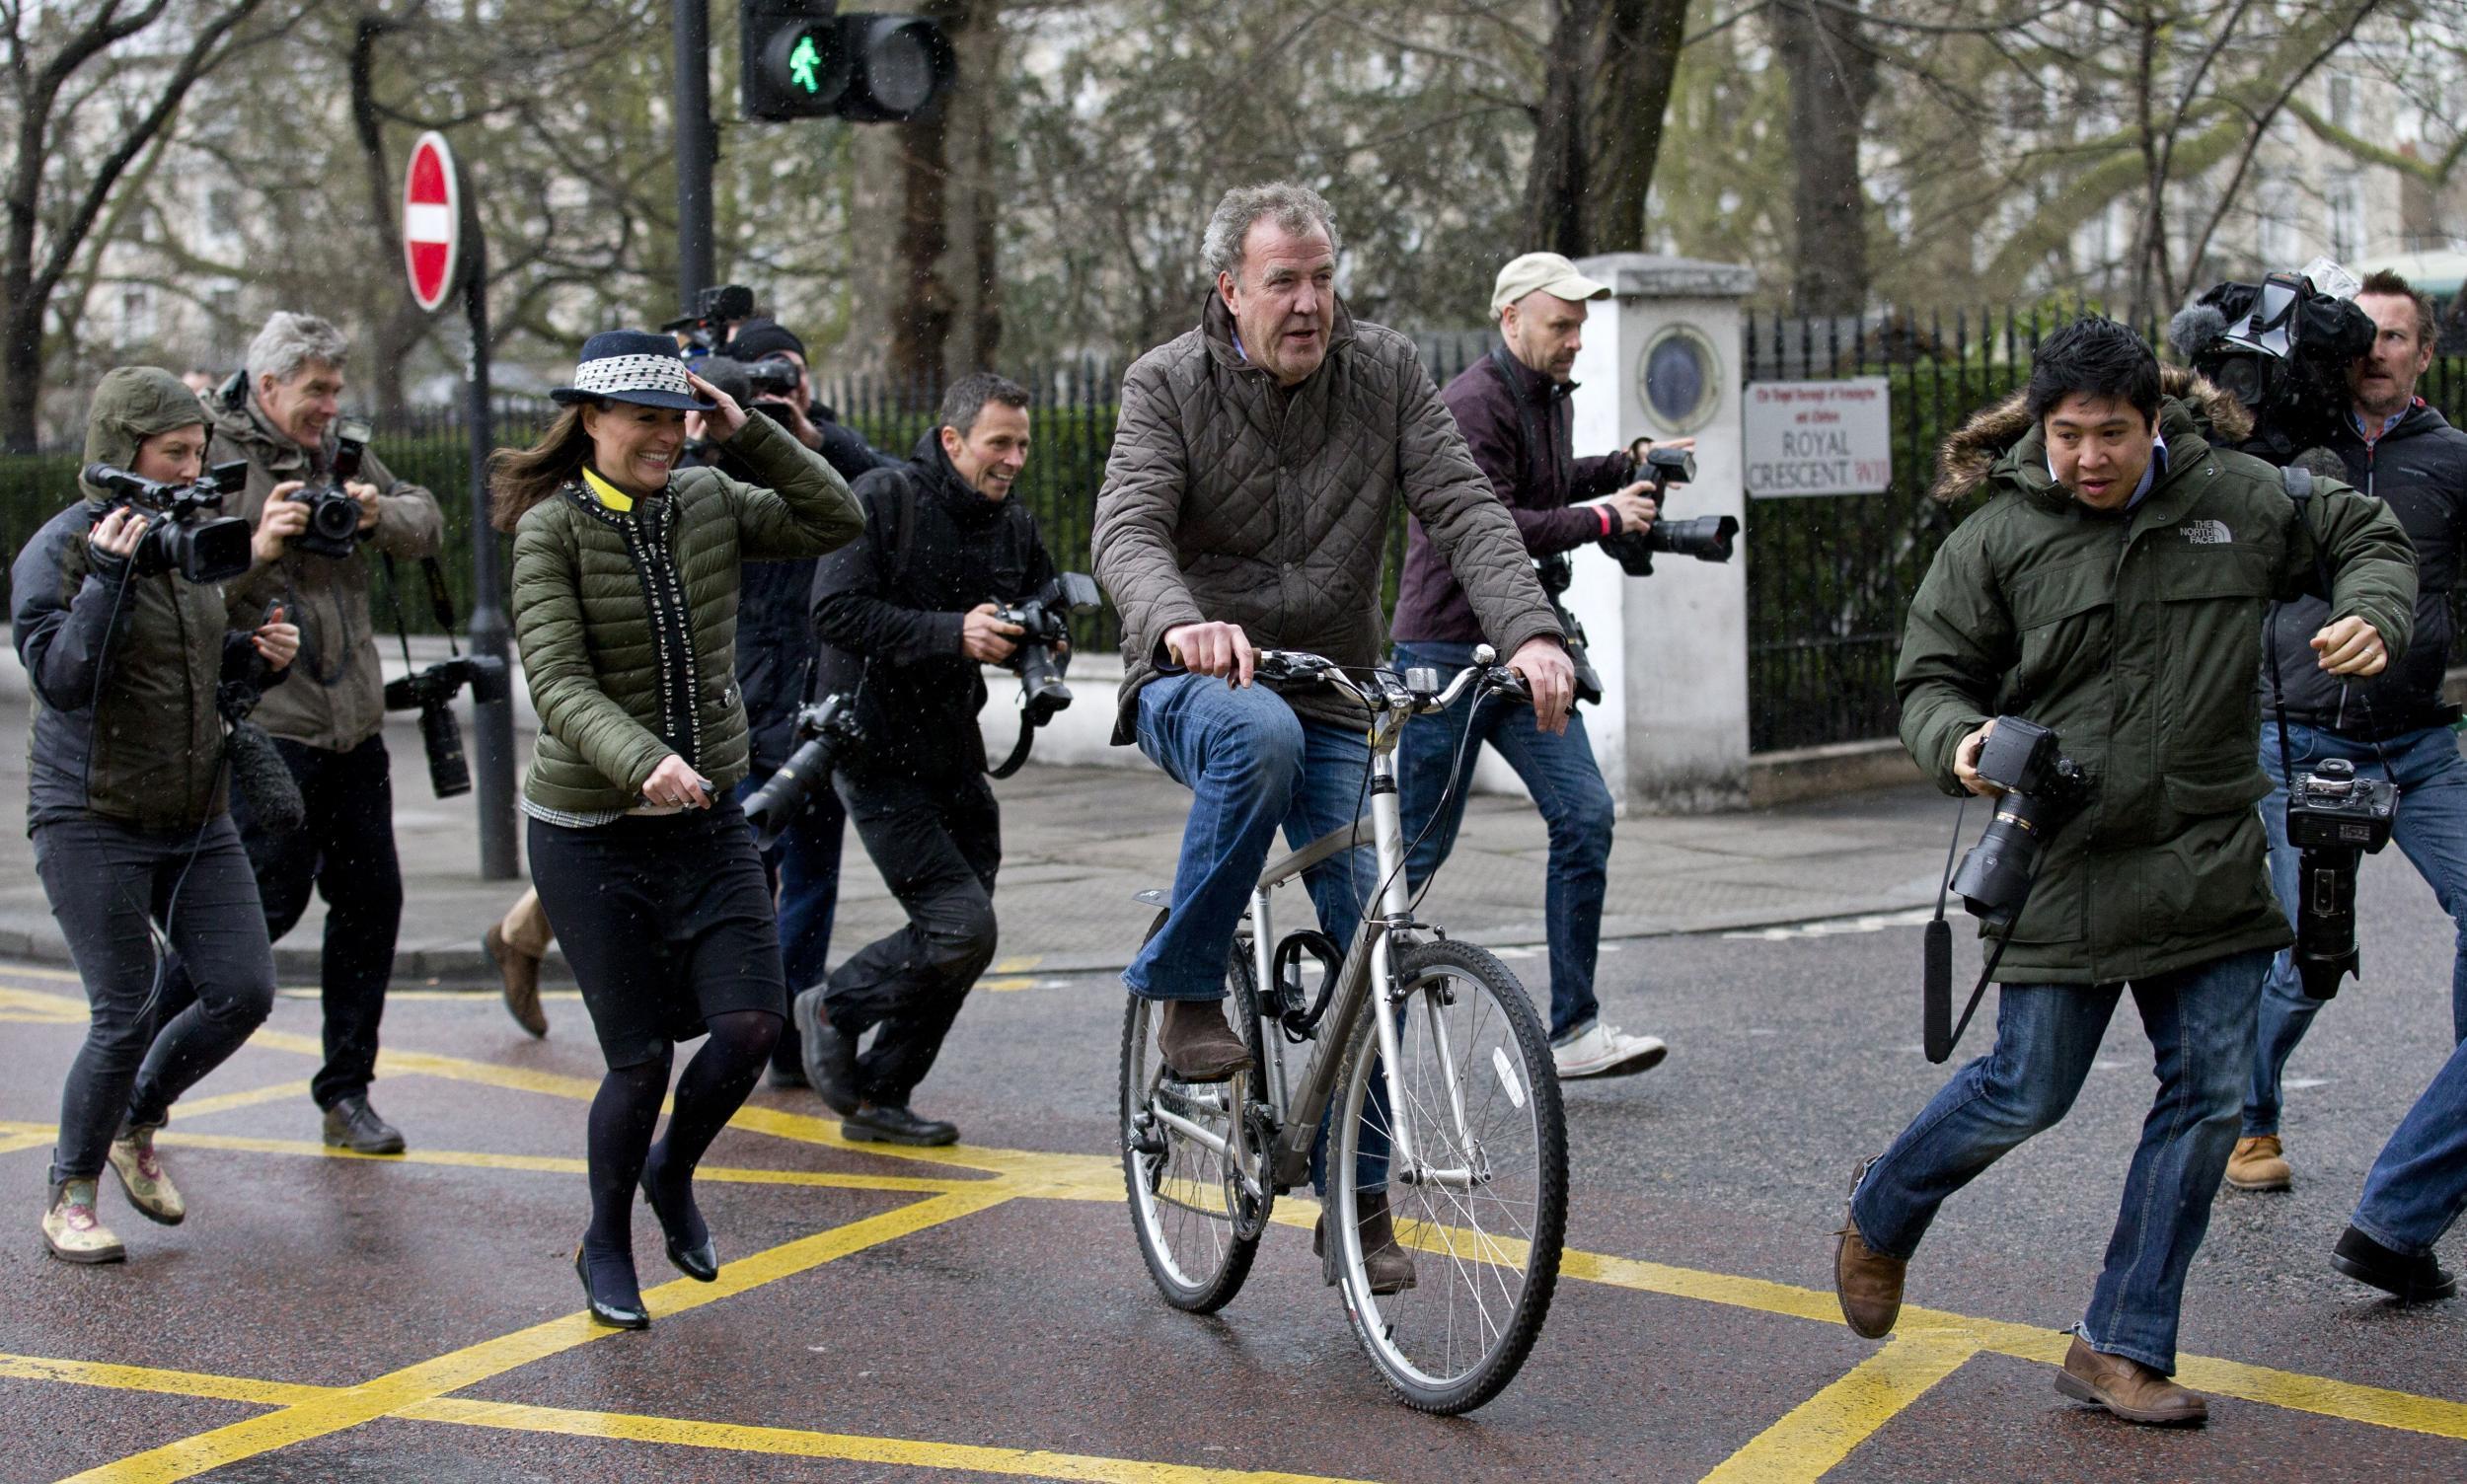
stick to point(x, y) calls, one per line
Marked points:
point(185, 530)
point(1041, 652)
point(2283, 347)
point(2043, 788)
point(2333, 820)
point(333, 516)
point(1707, 538)
point(824, 728)
point(706, 323)
point(432, 692)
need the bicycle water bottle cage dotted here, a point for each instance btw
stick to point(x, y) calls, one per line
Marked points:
point(1300, 1020)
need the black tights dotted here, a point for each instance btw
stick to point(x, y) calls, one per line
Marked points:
point(627, 1109)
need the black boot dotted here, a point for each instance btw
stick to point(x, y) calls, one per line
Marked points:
point(2410, 1280)
point(352, 1124)
point(1196, 1043)
point(893, 1123)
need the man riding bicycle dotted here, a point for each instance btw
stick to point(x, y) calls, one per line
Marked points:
point(1255, 468)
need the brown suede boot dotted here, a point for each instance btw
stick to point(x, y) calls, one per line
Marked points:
point(521, 972)
point(1197, 1045)
point(1389, 1266)
point(2127, 1389)
point(1866, 1281)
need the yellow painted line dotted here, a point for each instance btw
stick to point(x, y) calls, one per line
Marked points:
point(1019, 965)
point(224, 1102)
point(555, 1165)
point(1007, 984)
point(1820, 1432)
point(27, 1368)
point(40, 1007)
point(850, 1447)
point(2324, 1397)
point(336, 1411)
point(16, 1136)
point(32, 971)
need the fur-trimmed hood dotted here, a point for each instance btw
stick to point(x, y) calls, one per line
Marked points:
point(1971, 452)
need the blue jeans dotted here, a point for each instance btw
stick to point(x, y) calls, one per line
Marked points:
point(2430, 829)
point(804, 870)
point(1252, 767)
point(1566, 784)
point(2201, 1026)
point(2418, 1184)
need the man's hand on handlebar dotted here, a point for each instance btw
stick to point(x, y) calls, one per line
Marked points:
point(1551, 676)
point(1219, 649)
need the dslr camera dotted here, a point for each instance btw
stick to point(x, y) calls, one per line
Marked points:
point(746, 381)
point(2043, 788)
point(2333, 820)
point(823, 729)
point(432, 692)
point(706, 325)
point(1707, 538)
point(186, 530)
point(1046, 618)
point(2282, 348)
point(334, 517)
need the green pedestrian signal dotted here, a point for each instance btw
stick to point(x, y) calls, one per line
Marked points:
point(805, 65)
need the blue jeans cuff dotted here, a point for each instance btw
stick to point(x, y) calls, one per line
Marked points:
point(2164, 1364)
point(2399, 1246)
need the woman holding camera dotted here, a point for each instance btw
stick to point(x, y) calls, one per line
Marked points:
point(127, 804)
point(625, 599)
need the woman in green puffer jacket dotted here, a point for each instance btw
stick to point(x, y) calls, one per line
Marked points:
point(625, 598)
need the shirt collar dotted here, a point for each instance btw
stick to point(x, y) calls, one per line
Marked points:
point(2372, 435)
point(605, 492)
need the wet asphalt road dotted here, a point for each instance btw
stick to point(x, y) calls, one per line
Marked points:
point(927, 1329)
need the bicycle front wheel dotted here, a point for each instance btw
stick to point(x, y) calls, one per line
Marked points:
point(1480, 1206)
point(1193, 1163)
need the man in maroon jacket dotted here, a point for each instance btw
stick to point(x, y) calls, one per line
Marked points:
point(1513, 408)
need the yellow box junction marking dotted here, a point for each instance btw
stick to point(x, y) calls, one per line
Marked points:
point(1803, 1444)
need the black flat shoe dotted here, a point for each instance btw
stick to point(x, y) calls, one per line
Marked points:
point(830, 1060)
point(893, 1123)
point(614, 1313)
point(698, 1261)
point(2410, 1280)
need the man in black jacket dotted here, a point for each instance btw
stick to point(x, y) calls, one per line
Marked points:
point(2395, 727)
point(909, 614)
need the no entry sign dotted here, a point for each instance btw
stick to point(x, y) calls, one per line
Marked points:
point(432, 221)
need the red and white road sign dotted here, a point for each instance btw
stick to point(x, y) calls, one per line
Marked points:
point(432, 221)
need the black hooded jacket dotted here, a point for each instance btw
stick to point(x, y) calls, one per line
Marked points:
point(890, 627)
point(2419, 469)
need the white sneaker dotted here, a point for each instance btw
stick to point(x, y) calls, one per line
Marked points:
point(1603, 1050)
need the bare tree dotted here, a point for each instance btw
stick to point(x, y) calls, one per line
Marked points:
point(1825, 48)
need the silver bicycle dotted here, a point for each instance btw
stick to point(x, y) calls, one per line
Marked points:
point(1410, 1045)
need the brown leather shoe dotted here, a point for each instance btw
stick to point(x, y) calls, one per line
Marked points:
point(1389, 1266)
point(2127, 1389)
point(1866, 1281)
point(2258, 1163)
point(521, 972)
point(1197, 1045)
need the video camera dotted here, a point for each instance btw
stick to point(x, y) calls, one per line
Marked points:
point(2041, 789)
point(334, 523)
point(747, 381)
point(2282, 348)
point(186, 530)
point(2333, 820)
point(1707, 538)
point(705, 325)
point(823, 729)
point(1039, 656)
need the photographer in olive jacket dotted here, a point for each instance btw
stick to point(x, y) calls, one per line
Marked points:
point(2112, 590)
point(909, 615)
point(126, 803)
point(279, 413)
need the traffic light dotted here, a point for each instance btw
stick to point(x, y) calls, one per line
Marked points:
point(800, 59)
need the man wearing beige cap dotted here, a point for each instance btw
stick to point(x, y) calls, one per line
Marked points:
point(1513, 409)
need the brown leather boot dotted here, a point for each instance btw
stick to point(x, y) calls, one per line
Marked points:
point(1866, 1281)
point(1196, 1043)
point(2260, 1163)
point(1388, 1265)
point(2127, 1389)
point(521, 972)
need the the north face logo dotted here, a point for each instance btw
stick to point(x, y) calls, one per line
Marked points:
point(2208, 532)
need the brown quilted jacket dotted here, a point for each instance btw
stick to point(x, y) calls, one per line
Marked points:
point(1232, 499)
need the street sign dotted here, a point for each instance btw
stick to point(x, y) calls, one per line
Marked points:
point(432, 221)
point(1818, 437)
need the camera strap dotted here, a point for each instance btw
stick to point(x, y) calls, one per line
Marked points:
point(1937, 1032)
point(2299, 482)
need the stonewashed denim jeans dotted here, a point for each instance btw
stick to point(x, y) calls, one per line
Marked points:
point(2200, 1022)
point(2430, 829)
point(1566, 784)
point(2418, 1184)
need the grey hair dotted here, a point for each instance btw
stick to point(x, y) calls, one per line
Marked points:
point(1297, 208)
point(291, 342)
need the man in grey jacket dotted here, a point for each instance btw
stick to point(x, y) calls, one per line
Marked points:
point(1255, 469)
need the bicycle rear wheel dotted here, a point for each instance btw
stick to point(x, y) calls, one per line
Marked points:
point(1193, 1159)
point(1482, 1210)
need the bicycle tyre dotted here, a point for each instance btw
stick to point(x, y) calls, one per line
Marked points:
point(1199, 1259)
point(1421, 1339)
